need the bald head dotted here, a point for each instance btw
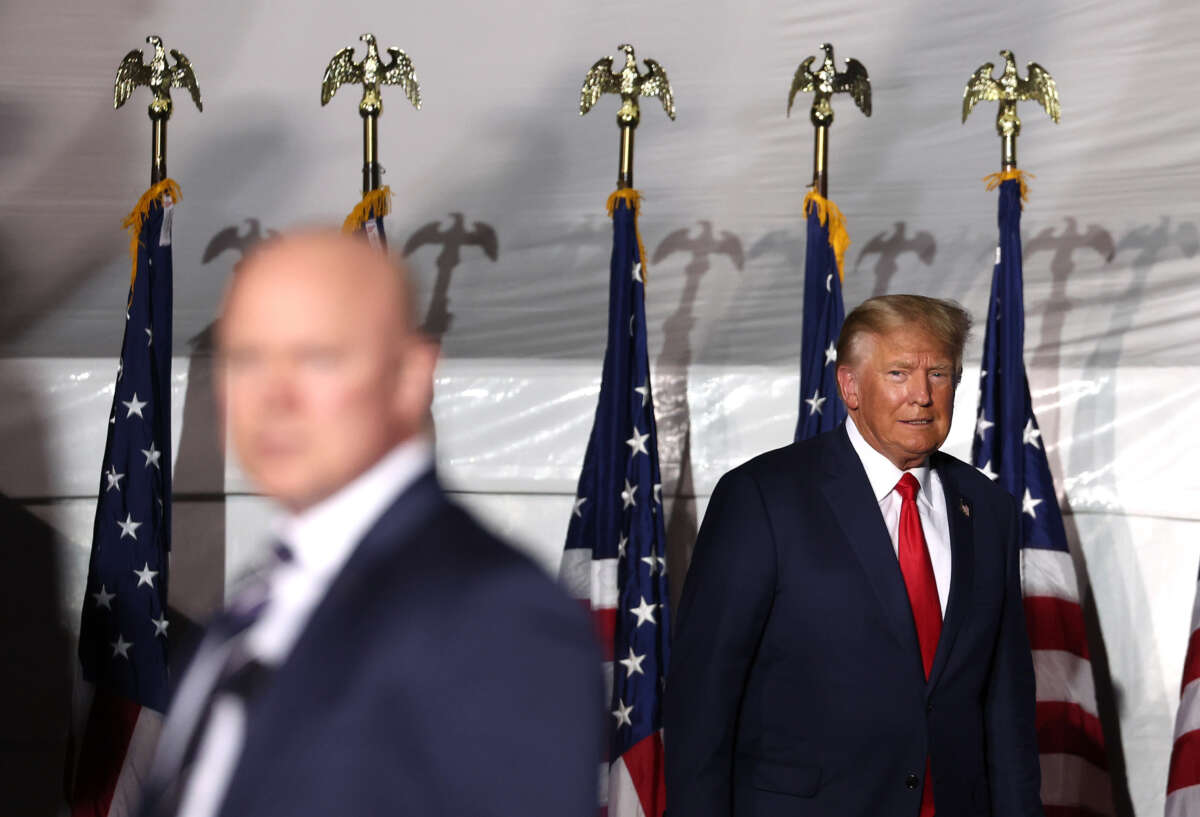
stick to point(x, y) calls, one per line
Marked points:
point(323, 371)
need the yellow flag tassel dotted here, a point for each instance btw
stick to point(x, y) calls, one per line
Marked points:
point(133, 222)
point(376, 204)
point(832, 218)
point(994, 180)
point(633, 200)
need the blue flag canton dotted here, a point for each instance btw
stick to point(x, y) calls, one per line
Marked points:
point(123, 627)
point(1008, 446)
point(821, 408)
point(618, 512)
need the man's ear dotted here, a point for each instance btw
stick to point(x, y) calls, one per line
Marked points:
point(848, 386)
point(414, 386)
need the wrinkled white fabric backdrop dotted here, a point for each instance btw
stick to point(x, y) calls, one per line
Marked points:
point(1111, 246)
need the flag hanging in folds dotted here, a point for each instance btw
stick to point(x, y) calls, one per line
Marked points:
point(1008, 448)
point(821, 408)
point(1183, 780)
point(367, 216)
point(615, 556)
point(123, 626)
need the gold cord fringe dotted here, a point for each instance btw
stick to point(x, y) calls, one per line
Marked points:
point(137, 217)
point(994, 180)
point(833, 219)
point(376, 204)
point(633, 200)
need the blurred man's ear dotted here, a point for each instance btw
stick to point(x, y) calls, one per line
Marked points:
point(847, 381)
point(414, 386)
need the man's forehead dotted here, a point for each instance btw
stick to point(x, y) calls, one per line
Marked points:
point(907, 342)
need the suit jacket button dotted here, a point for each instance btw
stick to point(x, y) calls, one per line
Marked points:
point(912, 781)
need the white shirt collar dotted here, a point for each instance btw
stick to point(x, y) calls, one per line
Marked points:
point(322, 537)
point(882, 473)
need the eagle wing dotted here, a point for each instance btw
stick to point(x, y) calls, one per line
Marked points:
point(182, 76)
point(401, 72)
point(341, 69)
point(430, 233)
point(730, 245)
point(981, 87)
point(675, 240)
point(854, 81)
point(802, 83)
point(1040, 87)
point(484, 237)
point(131, 73)
point(600, 79)
point(655, 83)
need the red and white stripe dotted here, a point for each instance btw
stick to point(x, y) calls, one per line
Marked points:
point(1183, 780)
point(1075, 779)
point(630, 786)
point(115, 743)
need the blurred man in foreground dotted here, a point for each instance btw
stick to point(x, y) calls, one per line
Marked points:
point(394, 657)
point(851, 640)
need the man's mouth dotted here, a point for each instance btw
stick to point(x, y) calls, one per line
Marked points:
point(924, 422)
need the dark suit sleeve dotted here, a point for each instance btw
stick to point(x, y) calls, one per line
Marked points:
point(1010, 709)
point(726, 599)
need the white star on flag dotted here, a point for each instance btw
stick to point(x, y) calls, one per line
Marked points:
point(987, 471)
point(982, 425)
point(831, 353)
point(1028, 504)
point(633, 664)
point(114, 479)
point(149, 337)
point(657, 563)
point(637, 272)
point(644, 391)
point(120, 368)
point(135, 406)
point(129, 527)
point(815, 402)
point(160, 624)
point(644, 612)
point(658, 492)
point(578, 509)
point(621, 545)
point(104, 598)
point(151, 454)
point(145, 575)
point(121, 647)
point(1030, 435)
point(637, 443)
point(621, 713)
point(627, 496)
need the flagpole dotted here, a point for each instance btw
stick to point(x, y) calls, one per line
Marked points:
point(823, 84)
point(1038, 86)
point(372, 73)
point(629, 84)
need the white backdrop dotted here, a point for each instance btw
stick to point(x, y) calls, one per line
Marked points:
point(1111, 245)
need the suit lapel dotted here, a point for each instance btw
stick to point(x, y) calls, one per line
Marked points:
point(962, 569)
point(849, 494)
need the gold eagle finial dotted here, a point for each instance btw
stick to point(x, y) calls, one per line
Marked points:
point(827, 81)
point(1010, 89)
point(371, 73)
point(157, 76)
point(628, 83)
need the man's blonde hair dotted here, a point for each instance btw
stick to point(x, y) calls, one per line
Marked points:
point(945, 321)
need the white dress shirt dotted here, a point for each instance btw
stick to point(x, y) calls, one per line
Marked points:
point(321, 540)
point(931, 506)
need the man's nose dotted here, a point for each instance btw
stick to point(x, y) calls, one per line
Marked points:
point(920, 391)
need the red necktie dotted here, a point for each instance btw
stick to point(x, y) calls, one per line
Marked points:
point(917, 568)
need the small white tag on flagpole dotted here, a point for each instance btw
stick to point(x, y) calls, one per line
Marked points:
point(164, 235)
point(372, 231)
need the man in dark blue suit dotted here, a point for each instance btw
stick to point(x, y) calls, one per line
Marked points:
point(851, 639)
point(395, 658)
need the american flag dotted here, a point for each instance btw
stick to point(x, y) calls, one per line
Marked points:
point(1183, 780)
point(615, 555)
point(1008, 448)
point(123, 627)
point(821, 408)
